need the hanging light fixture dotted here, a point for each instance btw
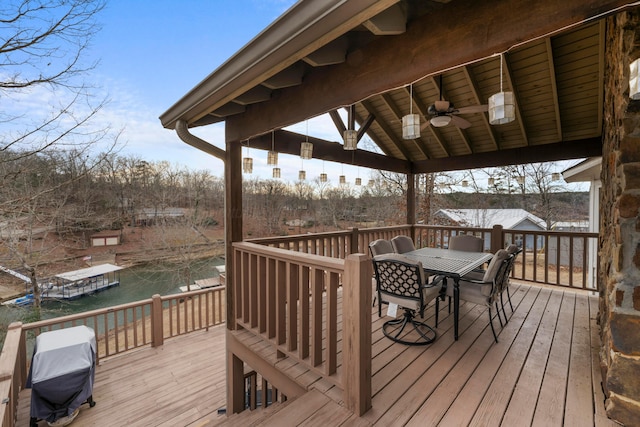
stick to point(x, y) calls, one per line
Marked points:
point(247, 162)
point(465, 183)
point(491, 181)
point(350, 139)
point(306, 148)
point(411, 122)
point(555, 176)
point(302, 174)
point(502, 107)
point(276, 172)
point(272, 155)
point(634, 80)
point(358, 181)
point(343, 179)
point(371, 183)
point(520, 179)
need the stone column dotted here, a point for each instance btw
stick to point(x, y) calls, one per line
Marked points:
point(619, 280)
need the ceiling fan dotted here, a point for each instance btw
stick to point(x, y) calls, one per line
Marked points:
point(443, 112)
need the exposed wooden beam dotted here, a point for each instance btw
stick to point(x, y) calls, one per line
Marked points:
point(373, 136)
point(389, 132)
point(554, 88)
point(476, 97)
point(428, 46)
point(509, 80)
point(289, 143)
point(337, 120)
point(364, 126)
point(424, 117)
point(530, 154)
point(386, 98)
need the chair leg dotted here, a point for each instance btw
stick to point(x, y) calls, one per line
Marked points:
point(425, 338)
point(506, 320)
point(509, 295)
point(495, 337)
point(500, 317)
point(437, 310)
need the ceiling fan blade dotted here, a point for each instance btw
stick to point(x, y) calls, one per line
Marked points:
point(473, 109)
point(460, 122)
point(442, 105)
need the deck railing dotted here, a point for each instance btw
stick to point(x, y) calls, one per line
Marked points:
point(291, 300)
point(548, 257)
point(118, 329)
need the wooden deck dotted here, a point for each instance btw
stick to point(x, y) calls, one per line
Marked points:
point(544, 371)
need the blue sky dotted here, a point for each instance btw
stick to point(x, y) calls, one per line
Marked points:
point(152, 53)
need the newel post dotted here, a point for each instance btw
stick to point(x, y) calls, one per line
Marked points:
point(157, 321)
point(356, 323)
point(497, 238)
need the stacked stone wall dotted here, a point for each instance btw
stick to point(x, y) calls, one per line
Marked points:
point(619, 281)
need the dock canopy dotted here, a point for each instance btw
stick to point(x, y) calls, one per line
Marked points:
point(86, 273)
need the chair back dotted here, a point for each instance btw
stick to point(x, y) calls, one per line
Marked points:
point(466, 242)
point(513, 251)
point(402, 244)
point(400, 277)
point(495, 273)
point(380, 246)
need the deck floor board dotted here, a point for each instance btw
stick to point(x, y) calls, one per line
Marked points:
point(543, 371)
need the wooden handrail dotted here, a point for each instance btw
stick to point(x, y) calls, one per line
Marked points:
point(118, 329)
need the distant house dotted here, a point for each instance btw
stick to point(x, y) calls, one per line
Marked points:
point(510, 219)
point(149, 216)
point(106, 238)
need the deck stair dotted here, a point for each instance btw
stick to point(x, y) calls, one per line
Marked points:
point(312, 408)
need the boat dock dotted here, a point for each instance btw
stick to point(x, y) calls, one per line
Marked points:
point(86, 281)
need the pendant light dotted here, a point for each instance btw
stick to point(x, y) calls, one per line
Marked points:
point(491, 181)
point(276, 172)
point(350, 139)
point(371, 183)
point(502, 107)
point(247, 162)
point(302, 174)
point(358, 181)
point(272, 155)
point(350, 136)
point(306, 148)
point(411, 122)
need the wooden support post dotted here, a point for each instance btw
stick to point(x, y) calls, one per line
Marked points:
point(232, 220)
point(157, 322)
point(356, 323)
point(497, 238)
point(235, 384)
point(411, 199)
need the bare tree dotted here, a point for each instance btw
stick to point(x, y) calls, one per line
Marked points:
point(42, 51)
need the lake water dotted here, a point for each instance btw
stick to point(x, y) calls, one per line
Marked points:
point(136, 283)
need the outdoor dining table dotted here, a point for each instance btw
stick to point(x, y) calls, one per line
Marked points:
point(450, 264)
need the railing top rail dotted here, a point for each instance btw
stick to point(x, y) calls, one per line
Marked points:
point(311, 260)
point(552, 232)
point(293, 237)
point(454, 227)
point(193, 293)
point(100, 311)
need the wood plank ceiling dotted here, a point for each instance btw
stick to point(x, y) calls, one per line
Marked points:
point(557, 80)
